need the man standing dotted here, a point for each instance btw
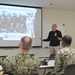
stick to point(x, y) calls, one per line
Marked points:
point(22, 63)
point(54, 37)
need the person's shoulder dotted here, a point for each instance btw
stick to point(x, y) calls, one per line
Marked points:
point(36, 60)
point(14, 57)
point(64, 49)
point(50, 31)
point(61, 51)
point(58, 30)
point(67, 49)
point(35, 57)
point(10, 57)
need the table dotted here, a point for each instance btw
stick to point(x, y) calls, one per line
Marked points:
point(50, 65)
point(0, 68)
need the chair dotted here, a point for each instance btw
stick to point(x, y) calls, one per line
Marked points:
point(3, 56)
point(32, 74)
point(52, 57)
point(45, 62)
point(9, 73)
point(32, 55)
point(70, 70)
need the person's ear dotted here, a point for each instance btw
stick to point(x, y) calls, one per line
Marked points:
point(64, 44)
point(19, 45)
point(30, 47)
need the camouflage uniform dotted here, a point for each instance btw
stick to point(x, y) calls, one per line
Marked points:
point(64, 58)
point(21, 64)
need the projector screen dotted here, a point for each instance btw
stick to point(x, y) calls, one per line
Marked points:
point(18, 21)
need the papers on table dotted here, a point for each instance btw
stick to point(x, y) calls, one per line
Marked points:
point(0, 67)
point(50, 64)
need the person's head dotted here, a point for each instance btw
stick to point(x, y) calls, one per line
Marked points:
point(54, 27)
point(66, 40)
point(25, 44)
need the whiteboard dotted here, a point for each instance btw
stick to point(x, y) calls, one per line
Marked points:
point(47, 28)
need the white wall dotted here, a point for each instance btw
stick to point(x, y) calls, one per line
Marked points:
point(39, 52)
point(59, 17)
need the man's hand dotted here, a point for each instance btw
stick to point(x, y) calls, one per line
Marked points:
point(59, 38)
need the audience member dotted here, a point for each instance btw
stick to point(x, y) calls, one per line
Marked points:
point(64, 57)
point(22, 63)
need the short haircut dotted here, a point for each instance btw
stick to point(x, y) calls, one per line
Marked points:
point(67, 39)
point(26, 43)
point(55, 25)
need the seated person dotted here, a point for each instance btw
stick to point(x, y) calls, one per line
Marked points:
point(22, 63)
point(65, 57)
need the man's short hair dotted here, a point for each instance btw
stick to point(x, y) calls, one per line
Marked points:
point(67, 39)
point(55, 25)
point(26, 43)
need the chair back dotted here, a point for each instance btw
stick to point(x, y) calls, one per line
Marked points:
point(70, 70)
point(52, 57)
point(8, 73)
point(33, 74)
